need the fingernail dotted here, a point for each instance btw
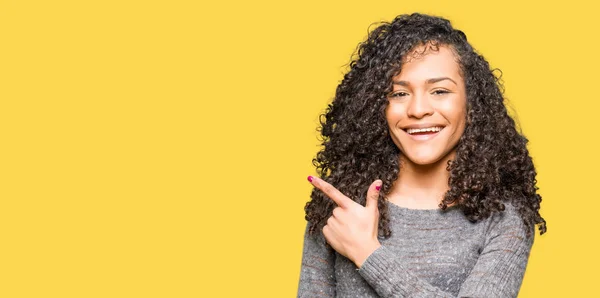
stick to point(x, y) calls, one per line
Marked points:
point(309, 178)
point(378, 187)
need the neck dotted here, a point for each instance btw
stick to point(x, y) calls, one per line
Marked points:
point(421, 185)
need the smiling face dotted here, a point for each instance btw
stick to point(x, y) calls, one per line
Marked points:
point(427, 107)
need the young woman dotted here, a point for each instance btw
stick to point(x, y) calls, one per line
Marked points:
point(427, 188)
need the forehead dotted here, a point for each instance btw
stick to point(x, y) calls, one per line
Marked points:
point(426, 62)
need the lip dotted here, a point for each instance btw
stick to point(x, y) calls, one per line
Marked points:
point(423, 125)
point(424, 137)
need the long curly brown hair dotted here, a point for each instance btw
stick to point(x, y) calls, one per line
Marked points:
point(492, 164)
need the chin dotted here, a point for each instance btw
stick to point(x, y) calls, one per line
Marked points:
point(424, 160)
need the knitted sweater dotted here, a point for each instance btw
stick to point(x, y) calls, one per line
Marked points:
point(431, 253)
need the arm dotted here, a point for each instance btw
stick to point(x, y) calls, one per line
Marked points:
point(317, 271)
point(498, 272)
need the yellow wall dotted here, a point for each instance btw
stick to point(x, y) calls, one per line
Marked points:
point(160, 148)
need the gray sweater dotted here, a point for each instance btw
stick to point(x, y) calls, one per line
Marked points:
point(431, 253)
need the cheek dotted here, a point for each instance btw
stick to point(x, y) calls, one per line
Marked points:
point(455, 111)
point(459, 116)
point(460, 121)
point(393, 114)
point(389, 118)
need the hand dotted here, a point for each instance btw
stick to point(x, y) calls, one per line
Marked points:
point(352, 229)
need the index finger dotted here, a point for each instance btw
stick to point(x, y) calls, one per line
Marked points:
point(339, 198)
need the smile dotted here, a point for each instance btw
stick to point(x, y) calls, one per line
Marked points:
point(423, 134)
point(426, 130)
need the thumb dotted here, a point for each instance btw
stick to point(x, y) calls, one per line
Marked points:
point(373, 194)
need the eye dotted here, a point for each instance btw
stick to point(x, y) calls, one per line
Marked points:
point(440, 92)
point(398, 94)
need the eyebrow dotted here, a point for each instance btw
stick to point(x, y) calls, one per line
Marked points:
point(429, 81)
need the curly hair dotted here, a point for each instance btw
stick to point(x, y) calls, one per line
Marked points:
point(492, 165)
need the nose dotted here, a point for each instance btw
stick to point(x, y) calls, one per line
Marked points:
point(419, 106)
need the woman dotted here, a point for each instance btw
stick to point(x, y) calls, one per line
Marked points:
point(428, 188)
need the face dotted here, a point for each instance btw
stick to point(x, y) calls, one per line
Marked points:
point(427, 110)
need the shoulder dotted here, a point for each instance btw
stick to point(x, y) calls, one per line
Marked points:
point(509, 224)
point(509, 214)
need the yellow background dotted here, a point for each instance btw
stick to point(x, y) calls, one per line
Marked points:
point(161, 148)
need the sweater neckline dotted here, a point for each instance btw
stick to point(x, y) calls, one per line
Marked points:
point(420, 212)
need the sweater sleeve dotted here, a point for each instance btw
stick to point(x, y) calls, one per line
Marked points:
point(317, 277)
point(497, 273)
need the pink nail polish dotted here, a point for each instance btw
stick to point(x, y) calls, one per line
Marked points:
point(309, 178)
point(378, 187)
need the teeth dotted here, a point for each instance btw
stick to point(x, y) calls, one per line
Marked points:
point(428, 129)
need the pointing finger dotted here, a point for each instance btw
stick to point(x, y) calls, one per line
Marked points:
point(339, 198)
